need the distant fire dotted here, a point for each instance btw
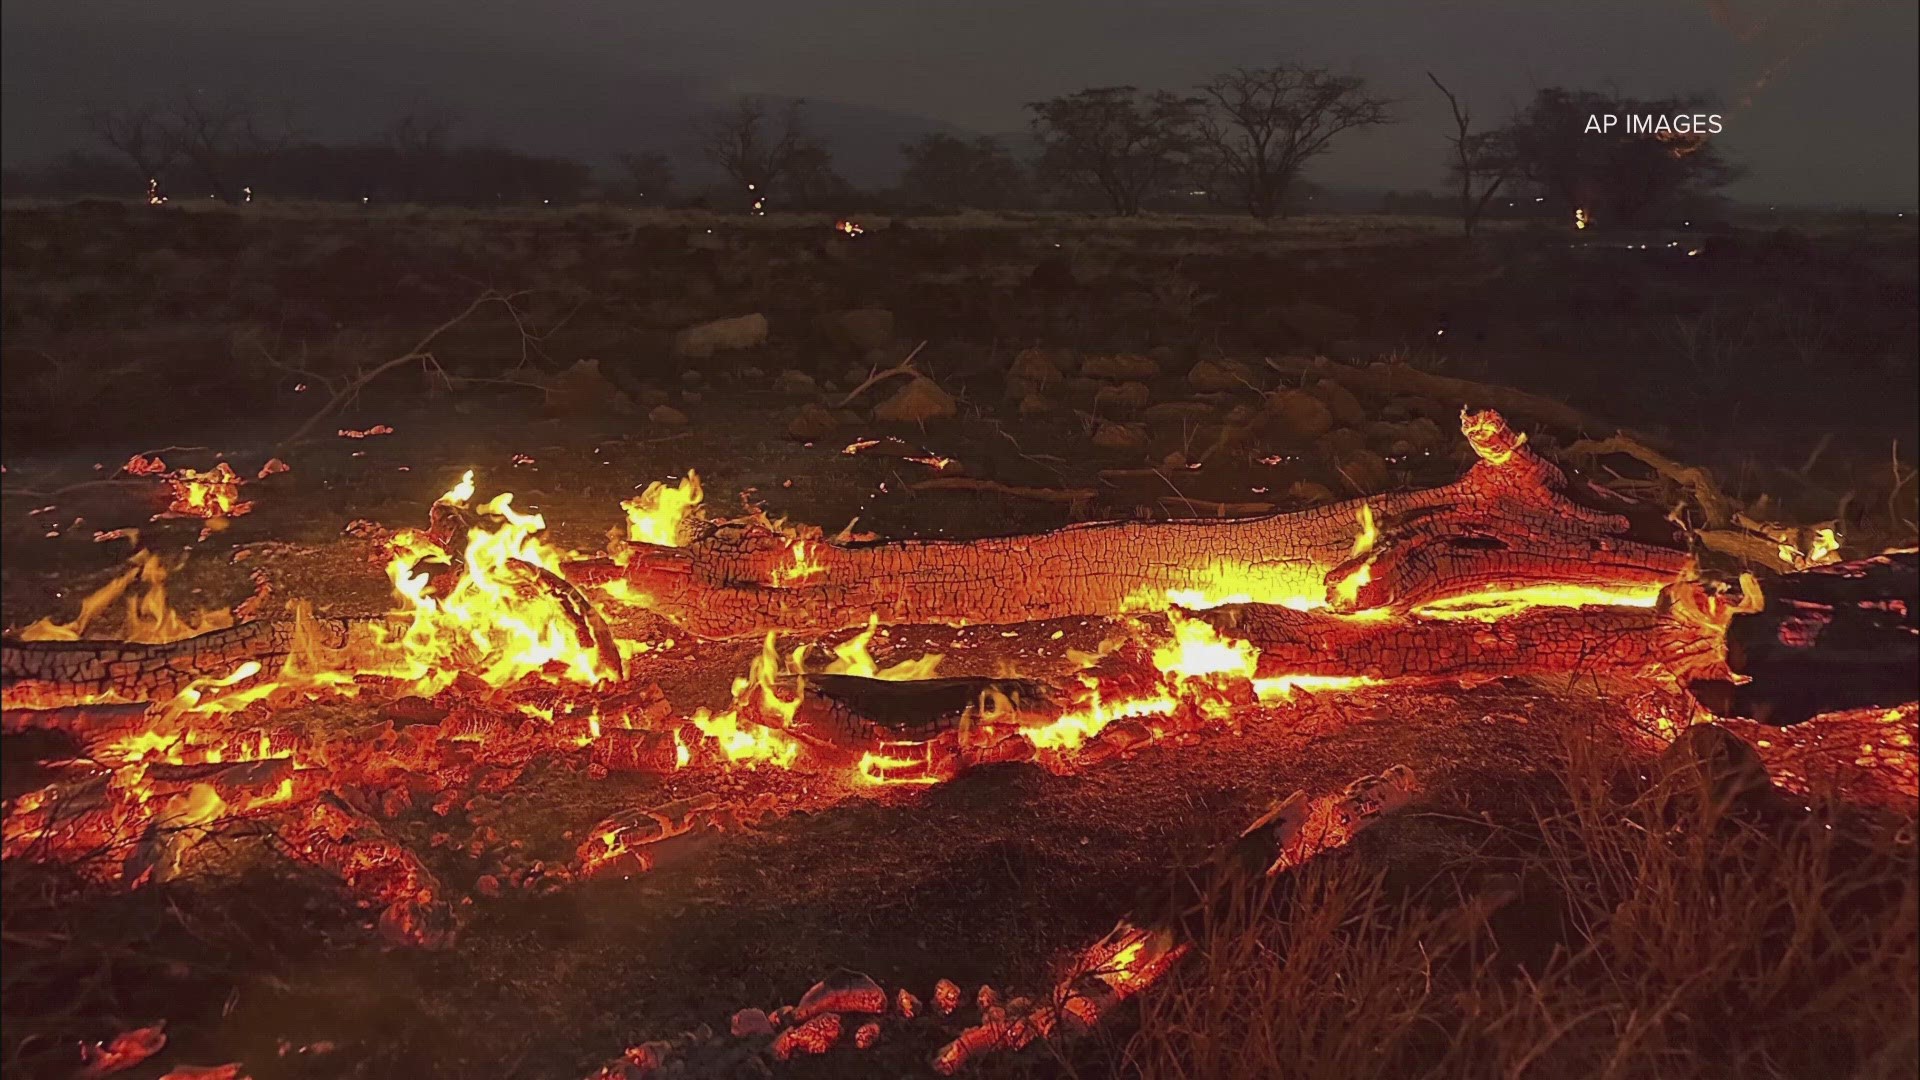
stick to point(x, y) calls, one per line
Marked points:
point(848, 228)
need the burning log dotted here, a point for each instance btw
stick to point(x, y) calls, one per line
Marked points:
point(1832, 638)
point(1514, 523)
point(853, 711)
point(1631, 642)
point(47, 674)
point(382, 873)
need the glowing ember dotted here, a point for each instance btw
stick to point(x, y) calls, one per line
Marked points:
point(848, 228)
point(211, 494)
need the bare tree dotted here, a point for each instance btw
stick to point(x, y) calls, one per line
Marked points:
point(651, 174)
point(218, 136)
point(1481, 161)
point(1127, 144)
point(1262, 125)
point(139, 134)
point(764, 154)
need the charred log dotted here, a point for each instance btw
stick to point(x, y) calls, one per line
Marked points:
point(48, 674)
point(1837, 637)
point(852, 711)
point(1627, 642)
point(1514, 521)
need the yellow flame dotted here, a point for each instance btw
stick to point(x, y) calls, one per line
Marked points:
point(1197, 650)
point(660, 514)
point(1498, 604)
point(806, 564)
point(150, 619)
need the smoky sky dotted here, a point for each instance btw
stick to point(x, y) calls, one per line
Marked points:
point(1820, 95)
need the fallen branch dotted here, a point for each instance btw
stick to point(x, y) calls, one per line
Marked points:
point(1698, 482)
point(1075, 497)
point(904, 367)
point(419, 353)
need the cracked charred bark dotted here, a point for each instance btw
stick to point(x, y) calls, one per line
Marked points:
point(1514, 521)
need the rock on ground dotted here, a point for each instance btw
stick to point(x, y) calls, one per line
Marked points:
point(1120, 366)
point(919, 400)
point(1302, 415)
point(1226, 375)
point(699, 342)
point(1116, 436)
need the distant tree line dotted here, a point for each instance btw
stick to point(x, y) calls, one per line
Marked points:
point(1241, 140)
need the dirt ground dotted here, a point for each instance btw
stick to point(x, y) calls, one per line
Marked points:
point(210, 337)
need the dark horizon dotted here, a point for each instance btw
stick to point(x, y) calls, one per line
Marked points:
point(1820, 99)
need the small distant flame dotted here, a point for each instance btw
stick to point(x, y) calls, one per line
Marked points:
point(848, 228)
point(1580, 219)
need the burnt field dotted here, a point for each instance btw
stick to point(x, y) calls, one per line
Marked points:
point(1468, 562)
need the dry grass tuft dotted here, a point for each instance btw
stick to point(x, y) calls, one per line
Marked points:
point(1626, 930)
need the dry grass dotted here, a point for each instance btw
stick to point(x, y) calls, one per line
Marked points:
point(1627, 930)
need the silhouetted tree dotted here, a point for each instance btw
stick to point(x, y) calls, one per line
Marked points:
point(1127, 144)
point(764, 154)
point(218, 137)
point(1482, 161)
point(139, 134)
point(1262, 125)
point(1614, 176)
point(651, 175)
point(947, 171)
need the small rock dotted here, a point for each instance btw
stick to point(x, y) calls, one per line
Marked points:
point(1128, 395)
point(1340, 401)
point(744, 332)
point(1364, 470)
point(1225, 375)
point(1180, 411)
point(1175, 460)
point(814, 421)
point(1342, 439)
point(751, 1022)
point(1041, 367)
point(1120, 366)
point(583, 389)
point(668, 416)
point(841, 992)
point(796, 382)
point(1309, 491)
point(1420, 433)
point(919, 400)
point(1116, 436)
point(1035, 405)
point(1301, 414)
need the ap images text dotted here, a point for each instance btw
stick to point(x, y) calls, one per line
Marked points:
point(1653, 124)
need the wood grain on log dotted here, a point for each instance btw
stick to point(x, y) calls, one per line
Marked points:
point(1514, 521)
point(49, 674)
